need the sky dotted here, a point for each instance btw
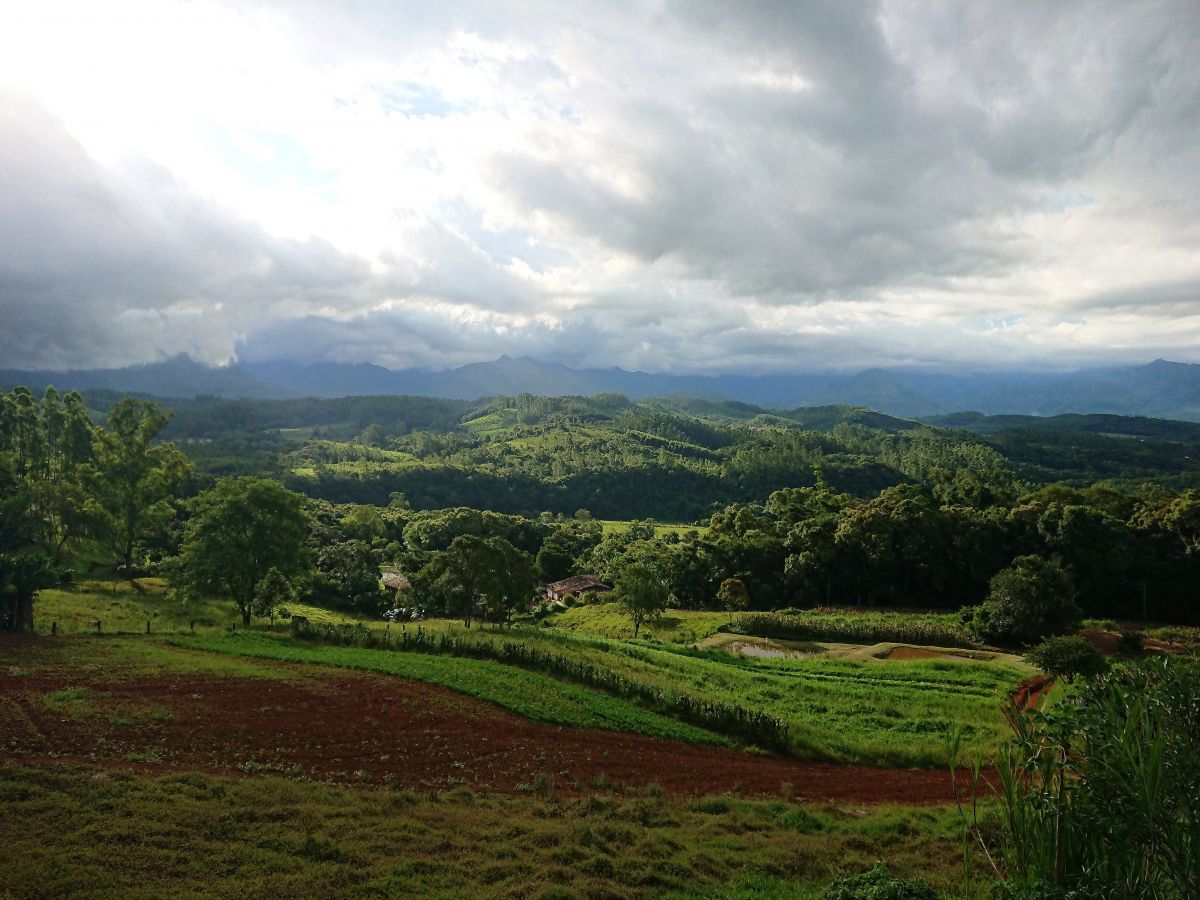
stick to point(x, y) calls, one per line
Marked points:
point(671, 187)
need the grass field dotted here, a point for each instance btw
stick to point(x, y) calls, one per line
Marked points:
point(615, 526)
point(677, 626)
point(124, 607)
point(83, 832)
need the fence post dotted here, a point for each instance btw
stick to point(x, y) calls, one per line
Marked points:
point(54, 628)
point(97, 626)
point(147, 626)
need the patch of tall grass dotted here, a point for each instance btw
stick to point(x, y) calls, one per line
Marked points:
point(934, 629)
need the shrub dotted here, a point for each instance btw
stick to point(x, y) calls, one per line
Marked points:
point(878, 883)
point(1101, 796)
point(1030, 600)
point(1067, 656)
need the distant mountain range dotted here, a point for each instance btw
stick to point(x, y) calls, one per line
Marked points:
point(1160, 389)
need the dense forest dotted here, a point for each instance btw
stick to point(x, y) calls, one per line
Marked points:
point(813, 507)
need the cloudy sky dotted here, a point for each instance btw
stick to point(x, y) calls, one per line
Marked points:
point(665, 186)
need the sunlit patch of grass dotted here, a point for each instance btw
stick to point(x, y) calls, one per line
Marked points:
point(133, 607)
point(676, 626)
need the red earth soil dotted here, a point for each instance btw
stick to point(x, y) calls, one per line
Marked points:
point(1030, 693)
point(350, 727)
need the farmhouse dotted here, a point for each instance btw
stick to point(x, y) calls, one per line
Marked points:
point(575, 586)
point(395, 582)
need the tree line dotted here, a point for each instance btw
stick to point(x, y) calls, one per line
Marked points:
point(940, 540)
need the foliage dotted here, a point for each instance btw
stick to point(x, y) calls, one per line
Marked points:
point(1102, 794)
point(1030, 600)
point(878, 883)
point(732, 595)
point(641, 594)
point(347, 578)
point(132, 479)
point(1067, 657)
point(273, 594)
point(478, 576)
point(238, 531)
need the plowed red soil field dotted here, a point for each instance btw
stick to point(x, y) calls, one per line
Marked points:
point(351, 727)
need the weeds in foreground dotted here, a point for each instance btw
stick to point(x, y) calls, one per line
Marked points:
point(1100, 796)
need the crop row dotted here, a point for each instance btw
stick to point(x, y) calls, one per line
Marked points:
point(850, 629)
point(752, 726)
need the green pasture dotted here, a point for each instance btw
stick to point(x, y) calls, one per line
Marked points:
point(676, 626)
point(126, 607)
point(615, 526)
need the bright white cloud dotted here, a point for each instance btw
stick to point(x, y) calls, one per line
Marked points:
point(664, 186)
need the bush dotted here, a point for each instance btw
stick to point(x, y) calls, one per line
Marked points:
point(1066, 657)
point(1101, 796)
point(1032, 599)
point(878, 883)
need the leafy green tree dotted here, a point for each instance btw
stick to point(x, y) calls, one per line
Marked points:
point(131, 478)
point(641, 594)
point(733, 596)
point(273, 595)
point(556, 558)
point(46, 444)
point(347, 577)
point(1030, 600)
point(238, 531)
point(486, 576)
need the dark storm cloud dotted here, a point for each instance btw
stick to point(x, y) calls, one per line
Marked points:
point(665, 186)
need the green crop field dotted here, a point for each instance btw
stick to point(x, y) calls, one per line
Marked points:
point(528, 694)
point(864, 711)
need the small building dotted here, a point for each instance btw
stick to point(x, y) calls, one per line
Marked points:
point(395, 582)
point(575, 586)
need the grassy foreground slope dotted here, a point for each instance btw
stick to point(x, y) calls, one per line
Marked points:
point(92, 833)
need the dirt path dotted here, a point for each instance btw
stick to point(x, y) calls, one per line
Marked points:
point(1029, 694)
point(351, 727)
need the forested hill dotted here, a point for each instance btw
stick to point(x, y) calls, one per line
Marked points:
point(1161, 388)
point(670, 459)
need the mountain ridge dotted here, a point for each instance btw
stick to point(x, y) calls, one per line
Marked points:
point(1159, 389)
